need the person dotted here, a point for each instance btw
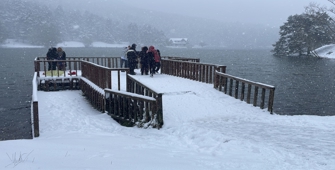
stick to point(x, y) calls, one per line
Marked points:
point(132, 56)
point(154, 59)
point(51, 56)
point(124, 60)
point(144, 60)
point(61, 56)
point(158, 61)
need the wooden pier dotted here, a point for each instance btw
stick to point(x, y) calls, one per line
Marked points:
point(139, 105)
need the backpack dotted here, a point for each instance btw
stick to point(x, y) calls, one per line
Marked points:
point(157, 58)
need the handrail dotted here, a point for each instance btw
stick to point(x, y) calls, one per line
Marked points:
point(94, 94)
point(202, 72)
point(134, 86)
point(133, 109)
point(143, 105)
point(111, 62)
point(225, 82)
point(100, 75)
point(41, 67)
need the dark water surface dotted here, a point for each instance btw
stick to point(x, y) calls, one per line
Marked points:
point(304, 85)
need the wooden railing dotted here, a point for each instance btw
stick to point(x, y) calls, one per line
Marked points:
point(131, 109)
point(111, 62)
point(94, 94)
point(141, 105)
point(248, 91)
point(156, 108)
point(97, 78)
point(100, 75)
point(191, 70)
point(41, 66)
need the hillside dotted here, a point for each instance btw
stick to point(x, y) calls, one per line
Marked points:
point(116, 21)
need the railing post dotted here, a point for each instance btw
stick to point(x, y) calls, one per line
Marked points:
point(249, 93)
point(225, 85)
point(271, 99)
point(36, 120)
point(159, 111)
point(262, 98)
point(236, 89)
point(255, 96)
point(242, 91)
point(231, 87)
point(128, 82)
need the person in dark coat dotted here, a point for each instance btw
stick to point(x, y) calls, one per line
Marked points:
point(51, 56)
point(61, 56)
point(132, 59)
point(54, 55)
point(144, 60)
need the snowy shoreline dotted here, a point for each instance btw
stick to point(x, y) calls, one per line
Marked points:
point(327, 51)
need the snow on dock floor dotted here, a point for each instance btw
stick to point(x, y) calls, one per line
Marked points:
point(203, 129)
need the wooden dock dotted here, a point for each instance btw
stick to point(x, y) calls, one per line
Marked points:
point(138, 104)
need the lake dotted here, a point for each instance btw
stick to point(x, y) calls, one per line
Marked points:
point(304, 85)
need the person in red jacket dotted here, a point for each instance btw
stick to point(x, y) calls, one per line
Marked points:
point(154, 60)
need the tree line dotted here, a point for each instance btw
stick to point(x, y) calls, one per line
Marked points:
point(37, 24)
point(303, 33)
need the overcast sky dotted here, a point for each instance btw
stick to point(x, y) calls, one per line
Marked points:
point(269, 12)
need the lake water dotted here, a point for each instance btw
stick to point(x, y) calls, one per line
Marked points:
point(304, 85)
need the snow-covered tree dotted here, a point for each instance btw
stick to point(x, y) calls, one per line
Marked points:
point(303, 33)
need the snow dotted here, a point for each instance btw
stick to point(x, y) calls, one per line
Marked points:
point(12, 43)
point(70, 44)
point(203, 129)
point(102, 44)
point(326, 51)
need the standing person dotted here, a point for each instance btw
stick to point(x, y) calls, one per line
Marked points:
point(49, 58)
point(61, 56)
point(132, 56)
point(52, 55)
point(124, 59)
point(153, 58)
point(158, 61)
point(144, 59)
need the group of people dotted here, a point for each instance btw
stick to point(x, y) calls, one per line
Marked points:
point(54, 54)
point(148, 58)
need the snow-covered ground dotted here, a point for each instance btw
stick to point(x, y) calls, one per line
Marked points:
point(327, 51)
point(203, 129)
point(12, 43)
point(94, 44)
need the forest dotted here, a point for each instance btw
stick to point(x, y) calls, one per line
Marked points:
point(38, 24)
